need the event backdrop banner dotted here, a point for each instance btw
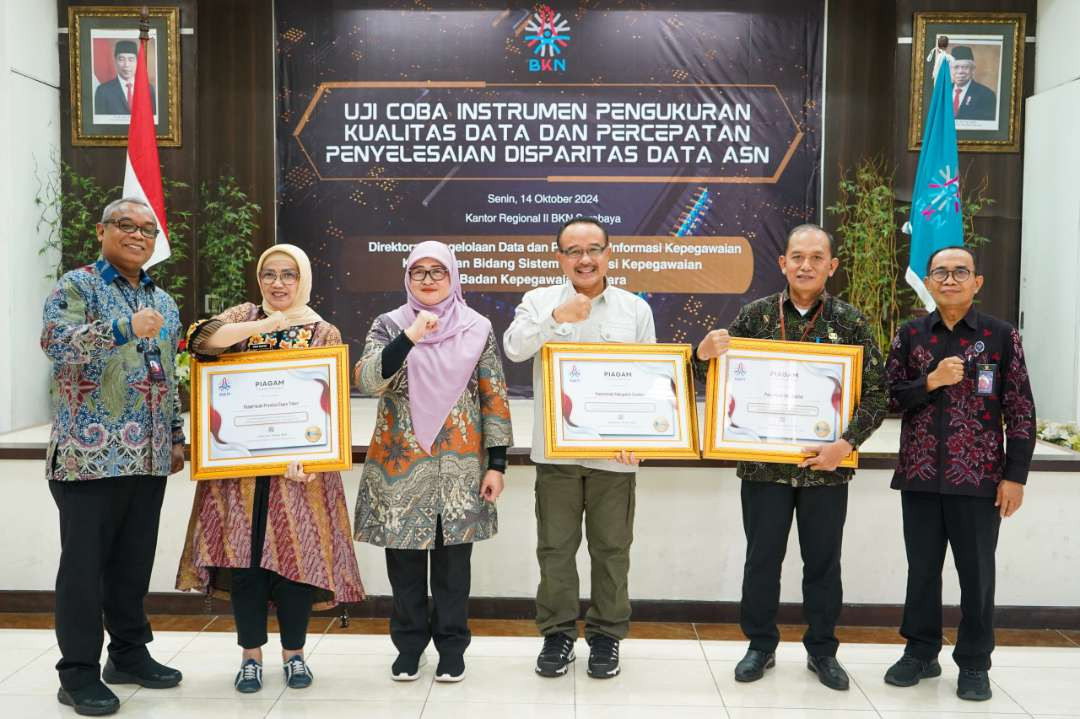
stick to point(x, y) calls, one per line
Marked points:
point(692, 134)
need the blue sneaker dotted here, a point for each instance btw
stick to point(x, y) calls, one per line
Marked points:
point(297, 673)
point(249, 678)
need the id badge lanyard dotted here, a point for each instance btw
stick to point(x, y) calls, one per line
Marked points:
point(151, 354)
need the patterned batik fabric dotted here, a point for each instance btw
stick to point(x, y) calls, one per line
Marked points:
point(109, 419)
point(308, 538)
point(403, 490)
point(838, 323)
point(955, 440)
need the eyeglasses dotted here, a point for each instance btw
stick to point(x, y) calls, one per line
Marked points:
point(128, 227)
point(287, 277)
point(960, 274)
point(576, 253)
point(419, 274)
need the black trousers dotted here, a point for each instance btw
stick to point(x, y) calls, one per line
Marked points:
point(970, 526)
point(254, 588)
point(820, 513)
point(108, 537)
point(412, 623)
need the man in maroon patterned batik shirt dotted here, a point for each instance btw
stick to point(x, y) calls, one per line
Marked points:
point(966, 442)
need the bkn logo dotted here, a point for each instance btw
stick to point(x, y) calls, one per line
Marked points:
point(547, 36)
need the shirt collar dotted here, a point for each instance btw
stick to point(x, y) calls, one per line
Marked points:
point(109, 274)
point(971, 318)
point(785, 297)
point(569, 290)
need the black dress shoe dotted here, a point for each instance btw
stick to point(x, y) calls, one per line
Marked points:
point(909, 670)
point(829, 672)
point(93, 700)
point(973, 685)
point(752, 667)
point(151, 675)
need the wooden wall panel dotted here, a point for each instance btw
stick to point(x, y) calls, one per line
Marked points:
point(860, 94)
point(236, 103)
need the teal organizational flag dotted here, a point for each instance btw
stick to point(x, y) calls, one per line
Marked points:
point(936, 219)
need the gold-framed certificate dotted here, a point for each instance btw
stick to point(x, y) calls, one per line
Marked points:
point(600, 398)
point(767, 400)
point(254, 412)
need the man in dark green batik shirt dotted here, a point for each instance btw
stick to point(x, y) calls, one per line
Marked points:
point(815, 491)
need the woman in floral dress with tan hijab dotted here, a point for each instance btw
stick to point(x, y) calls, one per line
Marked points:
point(282, 539)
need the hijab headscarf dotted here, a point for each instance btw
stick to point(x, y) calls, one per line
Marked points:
point(441, 364)
point(299, 313)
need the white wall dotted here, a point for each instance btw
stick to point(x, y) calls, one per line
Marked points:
point(688, 540)
point(29, 134)
point(1057, 54)
point(1050, 248)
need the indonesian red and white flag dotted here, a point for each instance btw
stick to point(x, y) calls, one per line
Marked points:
point(142, 176)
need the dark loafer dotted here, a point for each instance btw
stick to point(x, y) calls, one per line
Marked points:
point(829, 672)
point(909, 670)
point(752, 666)
point(93, 700)
point(973, 685)
point(151, 675)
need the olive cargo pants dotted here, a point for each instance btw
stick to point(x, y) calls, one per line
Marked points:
point(606, 499)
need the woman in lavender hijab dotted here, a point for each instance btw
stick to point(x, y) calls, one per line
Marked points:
point(436, 460)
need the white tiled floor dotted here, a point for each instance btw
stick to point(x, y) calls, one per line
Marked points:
point(671, 679)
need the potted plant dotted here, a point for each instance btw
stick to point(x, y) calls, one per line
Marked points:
point(227, 224)
point(870, 249)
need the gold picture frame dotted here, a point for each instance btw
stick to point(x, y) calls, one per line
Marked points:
point(99, 111)
point(989, 116)
point(717, 394)
point(204, 439)
point(680, 419)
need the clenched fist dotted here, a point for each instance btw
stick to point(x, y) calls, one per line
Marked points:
point(714, 344)
point(275, 322)
point(146, 323)
point(949, 371)
point(575, 309)
point(424, 324)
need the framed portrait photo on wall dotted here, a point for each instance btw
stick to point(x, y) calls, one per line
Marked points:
point(104, 47)
point(987, 74)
